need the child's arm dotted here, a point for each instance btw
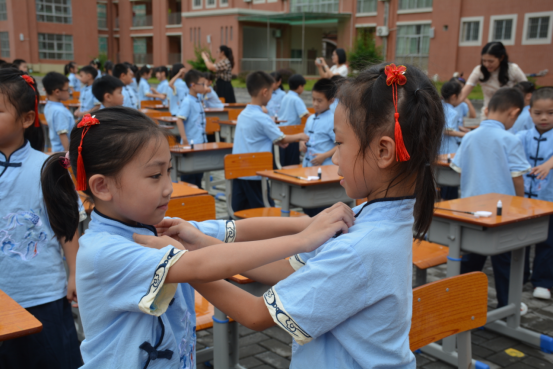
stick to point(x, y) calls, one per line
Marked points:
point(180, 126)
point(451, 132)
point(70, 249)
point(294, 138)
point(64, 141)
point(180, 74)
point(303, 148)
point(79, 113)
point(472, 111)
point(519, 186)
point(318, 159)
point(543, 170)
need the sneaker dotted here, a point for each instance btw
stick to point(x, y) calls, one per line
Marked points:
point(523, 309)
point(542, 293)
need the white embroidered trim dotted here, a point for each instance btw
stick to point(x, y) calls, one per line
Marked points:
point(296, 262)
point(181, 117)
point(156, 300)
point(279, 139)
point(455, 167)
point(230, 231)
point(283, 319)
point(82, 216)
point(518, 174)
point(63, 131)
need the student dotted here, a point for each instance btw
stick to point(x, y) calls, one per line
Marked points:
point(108, 68)
point(21, 65)
point(256, 132)
point(107, 90)
point(370, 266)
point(70, 70)
point(338, 81)
point(89, 103)
point(163, 86)
point(136, 296)
point(492, 160)
point(126, 75)
point(465, 108)
point(211, 99)
point(33, 272)
point(59, 118)
point(134, 84)
point(537, 183)
point(98, 66)
point(452, 136)
point(191, 118)
point(145, 93)
point(273, 106)
point(524, 120)
point(178, 87)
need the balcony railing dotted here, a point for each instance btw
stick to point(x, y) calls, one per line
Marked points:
point(174, 18)
point(102, 23)
point(306, 67)
point(116, 26)
point(143, 59)
point(142, 21)
point(314, 6)
point(174, 58)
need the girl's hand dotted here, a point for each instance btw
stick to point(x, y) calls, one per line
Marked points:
point(318, 159)
point(72, 291)
point(303, 148)
point(541, 170)
point(325, 225)
point(154, 242)
point(282, 144)
point(183, 232)
point(303, 137)
point(182, 72)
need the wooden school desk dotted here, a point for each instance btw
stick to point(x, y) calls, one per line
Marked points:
point(303, 193)
point(15, 321)
point(524, 222)
point(445, 176)
point(203, 158)
point(221, 113)
point(235, 105)
point(228, 129)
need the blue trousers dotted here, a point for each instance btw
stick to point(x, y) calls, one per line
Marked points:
point(195, 179)
point(247, 194)
point(542, 272)
point(290, 155)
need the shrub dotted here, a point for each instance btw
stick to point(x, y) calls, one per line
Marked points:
point(199, 63)
point(364, 53)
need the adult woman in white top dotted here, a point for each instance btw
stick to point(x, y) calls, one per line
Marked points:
point(494, 72)
point(339, 68)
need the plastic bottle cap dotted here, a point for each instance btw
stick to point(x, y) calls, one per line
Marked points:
point(319, 171)
point(499, 204)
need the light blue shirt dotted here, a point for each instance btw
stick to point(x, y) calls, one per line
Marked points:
point(134, 86)
point(143, 89)
point(74, 82)
point(124, 301)
point(462, 111)
point(292, 109)
point(334, 105)
point(31, 262)
point(87, 99)
point(538, 148)
point(524, 121)
point(350, 301)
point(255, 132)
point(320, 129)
point(163, 88)
point(129, 98)
point(488, 159)
point(273, 106)
point(98, 74)
point(175, 100)
point(449, 143)
point(211, 99)
point(191, 111)
point(60, 121)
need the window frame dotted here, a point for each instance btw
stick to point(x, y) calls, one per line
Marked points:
point(2, 54)
point(259, 1)
point(480, 31)
point(415, 10)
point(107, 44)
point(207, 6)
point(223, 5)
point(194, 7)
point(53, 14)
point(4, 13)
point(106, 14)
point(64, 52)
point(366, 14)
point(420, 36)
point(494, 18)
point(539, 41)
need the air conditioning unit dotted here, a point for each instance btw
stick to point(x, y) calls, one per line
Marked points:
point(382, 31)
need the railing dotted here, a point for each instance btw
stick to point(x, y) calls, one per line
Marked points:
point(174, 58)
point(116, 23)
point(142, 21)
point(174, 18)
point(143, 58)
point(314, 6)
point(102, 23)
point(306, 67)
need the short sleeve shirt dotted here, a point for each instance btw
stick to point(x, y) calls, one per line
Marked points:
point(60, 121)
point(134, 86)
point(143, 89)
point(538, 149)
point(341, 70)
point(87, 99)
point(320, 129)
point(449, 143)
point(211, 100)
point(179, 92)
point(292, 109)
point(191, 111)
point(489, 87)
point(129, 98)
point(74, 82)
point(273, 106)
point(163, 88)
point(224, 70)
point(524, 121)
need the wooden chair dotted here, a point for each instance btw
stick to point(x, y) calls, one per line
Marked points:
point(212, 127)
point(287, 130)
point(42, 98)
point(66, 103)
point(222, 99)
point(197, 208)
point(311, 110)
point(304, 120)
point(234, 113)
point(247, 165)
point(155, 114)
point(450, 306)
point(427, 255)
point(76, 95)
point(149, 104)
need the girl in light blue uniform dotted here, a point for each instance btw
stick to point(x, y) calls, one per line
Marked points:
point(348, 304)
point(136, 307)
point(452, 136)
point(178, 88)
point(74, 83)
point(524, 120)
point(144, 90)
point(273, 106)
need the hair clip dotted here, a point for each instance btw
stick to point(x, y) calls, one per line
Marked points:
point(30, 81)
point(85, 123)
point(88, 121)
point(64, 161)
point(396, 76)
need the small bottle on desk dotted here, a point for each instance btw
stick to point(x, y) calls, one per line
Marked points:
point(449, 158)
point(192, 144)
point(320, 174)
point(499, 208)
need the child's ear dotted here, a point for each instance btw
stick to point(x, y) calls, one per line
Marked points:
point(100, 187)
point(331, 101)
point(385, 152)
point(28, 119)
point(514, 112)
point(486, 111)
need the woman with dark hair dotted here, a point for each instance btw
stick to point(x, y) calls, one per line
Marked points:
point(494, 72)
point(224, 62)
point(338, 69)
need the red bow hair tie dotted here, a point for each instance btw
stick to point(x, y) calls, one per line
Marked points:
point(31, 82)
point(85, 123)
point(396, 76)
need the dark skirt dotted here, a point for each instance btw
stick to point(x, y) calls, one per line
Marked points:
point(225, 89)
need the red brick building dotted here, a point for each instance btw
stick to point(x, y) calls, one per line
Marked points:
point(441, 36)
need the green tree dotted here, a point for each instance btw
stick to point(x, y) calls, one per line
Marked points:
point(199, 63)
point(365, 52)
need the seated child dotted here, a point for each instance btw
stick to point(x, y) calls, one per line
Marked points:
point(88, 102)
point(524, 120)
point(59, 118)
point(538, 145)
point(95, 63)
point(465, 108)
point(144, 91)
point(492, 160)
point(126, 75)
point(177, 87)
point(74, 83)
point(211, 99)
point(273, 106)
point(134, 84)
point(452, 136)
point(256, 132)
point(108, 91)
point(163, 87)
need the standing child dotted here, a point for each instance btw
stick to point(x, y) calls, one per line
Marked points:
point(492, 160)
point(136, 307)
point(524, 120)
point(108, 90)
point(145, 93)
point(273, 106)
point(211, 99)
point(537, 184)
point(70, 70)
point(452, 136)
point(163, 87)
point(126, 75)
point(465, 108)
point(135, 72)
point(256, 132)
point(59, 118)
point(178, 87)
point(89, 103)
point(32, 271)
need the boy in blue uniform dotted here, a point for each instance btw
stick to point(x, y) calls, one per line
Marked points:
point(292, 110)
point(256, 132)
point(538, 146)
point(211, 99)
point(89, 103)
point(178, 88)
point(125, 74)
point(107, 90)
point(59, 118)
point(524, 120)
point(163, 87)
point(492, 160)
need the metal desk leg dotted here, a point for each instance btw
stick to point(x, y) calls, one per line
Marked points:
point(234, 353)
point(220, 340)
point(174, 163)
point(285, 202)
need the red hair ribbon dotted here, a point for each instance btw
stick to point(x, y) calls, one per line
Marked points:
point(396, 76)
point(85, 123)
point(31, 82)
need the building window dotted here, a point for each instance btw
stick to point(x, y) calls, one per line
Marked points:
point(471, 31)
point(53, 11)
point(5, 45)
point(196, 4)
point(317, 6)
point(210, 3)
point(503, 28)
point(53, 46)
point(102, 15)
point(3, 11)
point(415, 5)
point(103, 45)
point(537, 28)
point(413, 43)
point(223, 3)
point(366, 6)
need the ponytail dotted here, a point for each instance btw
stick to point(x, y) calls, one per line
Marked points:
point(60, 198)
point(35, 136)
point(67, 68)
point(141, 72)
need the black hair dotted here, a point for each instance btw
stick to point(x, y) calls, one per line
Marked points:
point(54, 81)
point(542, 93)
point(451, 88)
point(192, 76)
point(8, 65)
point(341, 53)
point(506, 98)
point(2, 61)
point(142, 71)
point(496, 49)
point(228, 53)
point(257, 81)
point(22, 96)
point(326, 87)
point(175, 69)
point(119, 69)
point(18, 62)
point(133, 67)
point(296, 81)
point(89, 69)
point(108, 67)
point(209, 76)
point(67, 67)
point(460, 80)
point(369, 107)
point(278, 78)
point(106, 149)
point(95, 62)
point(163, 69)
point(105, 85)
point(526, 87)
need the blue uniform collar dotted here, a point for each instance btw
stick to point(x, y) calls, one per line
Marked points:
point(254, 107)
point(194, 98)
point(492, 123)
point(293, 93)
point(385, 203)
point(318, 116)
point(102, 223)
point(15, 159)
point(50, 102)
